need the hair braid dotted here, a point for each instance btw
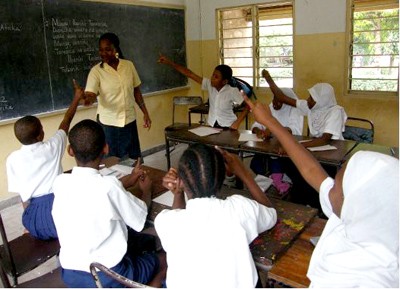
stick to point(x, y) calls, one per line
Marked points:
point(202, 170)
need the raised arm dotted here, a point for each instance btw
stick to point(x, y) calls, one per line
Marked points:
point(278, 94)
point(236, 166)
point(70, 113)
point(308, 166)
point(181, 69)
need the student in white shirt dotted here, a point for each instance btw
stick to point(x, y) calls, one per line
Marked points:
point(91, 213)
point(207, 239)
point(359, 246)
point(31, 170)
point(291, 118)
point(326, 119)
point(222, 96)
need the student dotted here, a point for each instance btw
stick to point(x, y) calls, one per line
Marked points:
point(207, 239)
point(222, 97)
point(91, 213)
point(293, 121)
point(326, 119)
point(359, 246)
point(116, 84)
point(32, 169)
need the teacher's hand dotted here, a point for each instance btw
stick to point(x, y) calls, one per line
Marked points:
point(147, 121)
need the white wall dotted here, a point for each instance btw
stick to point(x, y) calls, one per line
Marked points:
point(312, 16)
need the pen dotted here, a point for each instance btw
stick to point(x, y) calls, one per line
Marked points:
point(392, 151)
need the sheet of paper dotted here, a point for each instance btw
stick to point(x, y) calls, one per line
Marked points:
point(304, 140)
point(263, 182)
point(205, 130)
point(322, 148)
point(166, 199)
point(249, 137)
point(116, 170)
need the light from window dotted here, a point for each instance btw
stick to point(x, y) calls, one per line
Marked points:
point(258, 37)
point(374, 51)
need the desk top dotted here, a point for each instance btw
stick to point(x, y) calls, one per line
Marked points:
point(390, 151)
point(331, 157)
point(269, 245)
point(227, 138)
point(291, 269)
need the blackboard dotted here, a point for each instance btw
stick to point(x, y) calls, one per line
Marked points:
point(47, 43)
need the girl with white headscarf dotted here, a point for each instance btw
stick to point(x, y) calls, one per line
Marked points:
point(359, 246)
point(326, 119)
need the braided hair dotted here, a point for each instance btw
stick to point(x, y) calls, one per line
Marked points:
point(202, 170)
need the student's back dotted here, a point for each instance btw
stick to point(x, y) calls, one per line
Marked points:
point(207, 242)
point(32, 169)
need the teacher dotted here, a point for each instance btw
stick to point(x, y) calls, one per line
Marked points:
point(116, 84)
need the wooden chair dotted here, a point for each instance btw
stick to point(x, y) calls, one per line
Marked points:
point(359, 129)
point(114, 275)
point(24, 253)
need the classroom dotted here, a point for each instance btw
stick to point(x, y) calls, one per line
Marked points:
point(320, 53)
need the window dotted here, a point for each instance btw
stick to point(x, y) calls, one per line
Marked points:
point(255, 37)
point(374, 46)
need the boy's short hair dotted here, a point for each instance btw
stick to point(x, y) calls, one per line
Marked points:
point(202, 170)
point(226, 71)
point(87, 140)
point(27, 129)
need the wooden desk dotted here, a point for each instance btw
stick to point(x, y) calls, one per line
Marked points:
point(291, 269)
point(390, 151)
point(331, 157)
point(204, 108)
point(286, 241)
point(226, 139)
point(270, 245)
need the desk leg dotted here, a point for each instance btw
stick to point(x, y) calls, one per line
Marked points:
point(190, 118)
point(167, 152)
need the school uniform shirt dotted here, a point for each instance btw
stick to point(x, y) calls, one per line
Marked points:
point(31, 170)
point(207, 243)
point(287, 115)
point(221, 103)
point(361, 247)
point(115, 92)
point(326, 116)
point(91, 213)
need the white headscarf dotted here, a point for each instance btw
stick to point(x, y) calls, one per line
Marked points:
point(360, 249)
point(324, 96)
point(287, 115)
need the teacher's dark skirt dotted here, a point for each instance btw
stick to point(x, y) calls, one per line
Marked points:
point(37, 218)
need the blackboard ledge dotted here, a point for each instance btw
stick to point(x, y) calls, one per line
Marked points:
point(186, 87)
point(45, 114)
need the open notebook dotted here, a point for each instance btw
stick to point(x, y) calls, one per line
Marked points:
point(166, 199)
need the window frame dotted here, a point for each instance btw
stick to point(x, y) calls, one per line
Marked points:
point(348, 44)
point(256, 68)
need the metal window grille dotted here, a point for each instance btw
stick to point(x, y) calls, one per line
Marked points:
point(374, 46)
point(257, 37)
